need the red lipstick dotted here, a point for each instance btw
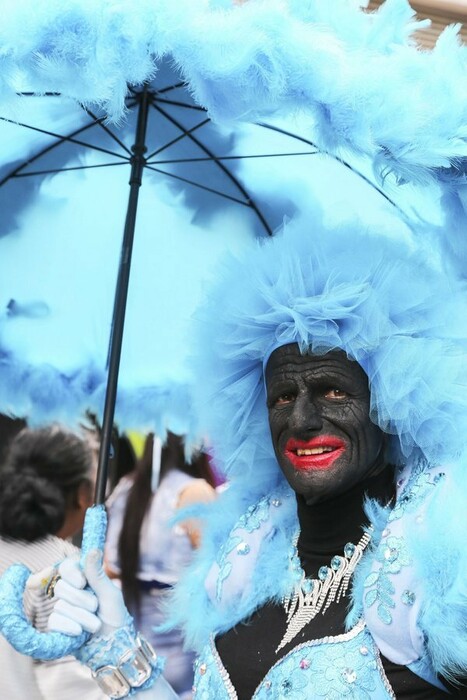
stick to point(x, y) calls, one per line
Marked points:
point(325, 450)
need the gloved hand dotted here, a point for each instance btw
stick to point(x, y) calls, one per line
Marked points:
point(88, 600)
point(100, 609)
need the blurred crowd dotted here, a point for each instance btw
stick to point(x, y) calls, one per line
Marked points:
point(156, 487)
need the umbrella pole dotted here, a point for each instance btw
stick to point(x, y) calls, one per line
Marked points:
point(18, 630)
point(138, 162)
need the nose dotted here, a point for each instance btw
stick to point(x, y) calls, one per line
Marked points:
point(306, 415)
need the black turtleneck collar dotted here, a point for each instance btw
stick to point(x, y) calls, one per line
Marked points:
point(325, 528)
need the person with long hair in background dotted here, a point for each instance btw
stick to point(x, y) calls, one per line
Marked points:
point(147, 551)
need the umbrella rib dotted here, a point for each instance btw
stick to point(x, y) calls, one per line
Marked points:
point(279, 130)
point(99, 122)
point(222, 158)
point(201, 187)
point(52, 146)
point(367, 180)
point(175, 86)
point(177, 139)
point(177, 103)
point(39, 94)
point(160, 91)
point(225, 170)
point(64, 170)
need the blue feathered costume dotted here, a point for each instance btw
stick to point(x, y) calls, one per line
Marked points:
point(403, 320)
point(395, 308)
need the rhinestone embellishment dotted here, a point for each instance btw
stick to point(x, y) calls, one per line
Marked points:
point(336, 563)
point(313, 596)
point(243, 548)
point(323, 573)
point(349, 675)
point(408, 597)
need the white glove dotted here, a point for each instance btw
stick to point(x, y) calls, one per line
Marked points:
point(101, 609)
point(102, 612)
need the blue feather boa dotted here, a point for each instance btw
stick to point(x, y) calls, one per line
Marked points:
point(44, 395)
point(358, 75)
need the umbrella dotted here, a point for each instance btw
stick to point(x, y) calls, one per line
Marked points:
point(63, 192)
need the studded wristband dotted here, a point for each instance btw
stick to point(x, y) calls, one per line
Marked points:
point(122, 663)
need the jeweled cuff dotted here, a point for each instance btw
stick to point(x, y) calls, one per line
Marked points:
point(122, 663)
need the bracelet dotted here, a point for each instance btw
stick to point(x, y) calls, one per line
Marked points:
point(135, 665)
point(137, 669)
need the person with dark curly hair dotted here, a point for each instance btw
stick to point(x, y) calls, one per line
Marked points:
point(46, 485)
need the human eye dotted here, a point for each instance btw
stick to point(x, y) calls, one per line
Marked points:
point(335, 394)
point(283, 399)
point(280, 396)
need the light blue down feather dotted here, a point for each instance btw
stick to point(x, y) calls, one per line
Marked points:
point(357, 74)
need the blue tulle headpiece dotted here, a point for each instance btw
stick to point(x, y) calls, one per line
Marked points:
point(383, 303)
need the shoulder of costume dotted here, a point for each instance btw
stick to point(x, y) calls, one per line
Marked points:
point(242, 563)
point(430, 516)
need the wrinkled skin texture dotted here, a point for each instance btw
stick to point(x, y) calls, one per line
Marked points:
point(322, 397)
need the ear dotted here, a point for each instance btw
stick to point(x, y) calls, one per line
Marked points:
point(84, 495)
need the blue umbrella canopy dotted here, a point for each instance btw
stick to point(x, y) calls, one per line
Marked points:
point(64, 192)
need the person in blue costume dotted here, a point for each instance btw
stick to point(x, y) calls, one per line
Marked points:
point(331, 366)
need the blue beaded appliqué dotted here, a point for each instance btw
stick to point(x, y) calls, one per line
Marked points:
point(347, 666)
point(250, 521)
point(419, 485)
point(393, 555)
point(392, 552)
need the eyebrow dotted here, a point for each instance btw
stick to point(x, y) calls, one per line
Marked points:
point(321, 377)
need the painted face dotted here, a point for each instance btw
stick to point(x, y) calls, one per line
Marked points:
point(318, 408)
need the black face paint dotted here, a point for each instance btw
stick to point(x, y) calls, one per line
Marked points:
point(318, 408)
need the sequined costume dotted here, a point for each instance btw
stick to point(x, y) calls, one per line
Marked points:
point(346, 665)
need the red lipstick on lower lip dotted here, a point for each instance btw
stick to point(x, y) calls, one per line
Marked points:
point(322, 460)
